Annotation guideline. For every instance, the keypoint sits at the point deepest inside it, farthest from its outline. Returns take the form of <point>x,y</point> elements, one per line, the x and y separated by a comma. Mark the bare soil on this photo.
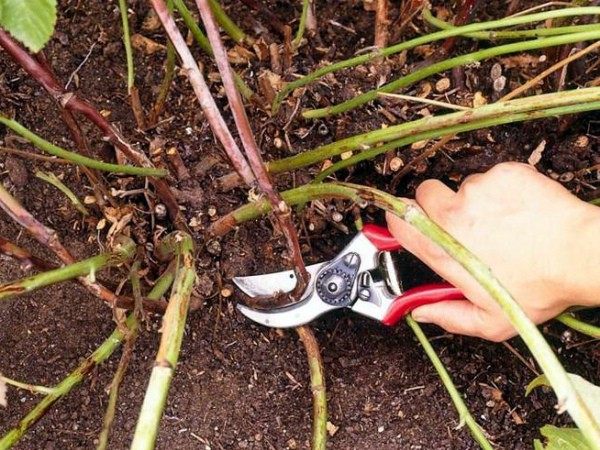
<point>239,385</point>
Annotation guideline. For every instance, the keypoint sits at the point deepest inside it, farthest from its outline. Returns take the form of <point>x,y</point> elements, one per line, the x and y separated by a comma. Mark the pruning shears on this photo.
<point>363,277</point>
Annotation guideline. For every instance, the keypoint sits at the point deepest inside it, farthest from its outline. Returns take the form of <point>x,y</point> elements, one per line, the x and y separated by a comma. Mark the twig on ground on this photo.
<point>317,384</point>
<point>521,358</point>
<point>281,209</point>
<point>28,155</point>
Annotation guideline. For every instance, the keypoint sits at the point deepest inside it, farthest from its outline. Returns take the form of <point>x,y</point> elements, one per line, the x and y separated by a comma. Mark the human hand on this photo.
<point>539,240</point>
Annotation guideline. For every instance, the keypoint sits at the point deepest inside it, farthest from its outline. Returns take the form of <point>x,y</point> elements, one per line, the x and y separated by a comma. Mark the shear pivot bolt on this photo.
<point>352,260</point>
<point>364,294</point>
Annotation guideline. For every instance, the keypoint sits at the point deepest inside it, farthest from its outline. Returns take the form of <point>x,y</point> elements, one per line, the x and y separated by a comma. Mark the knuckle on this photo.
<point>425,187</point>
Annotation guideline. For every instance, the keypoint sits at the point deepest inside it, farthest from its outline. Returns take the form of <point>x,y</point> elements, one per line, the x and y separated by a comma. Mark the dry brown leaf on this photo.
<point>479,100</point>
<point>239,55</point>
<point>519,61</point>
<point>151,21</point>
<point>369,5</point>
<point>146,45</point>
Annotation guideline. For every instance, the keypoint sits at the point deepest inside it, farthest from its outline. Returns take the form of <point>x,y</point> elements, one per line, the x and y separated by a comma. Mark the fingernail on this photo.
<point>420,316</point>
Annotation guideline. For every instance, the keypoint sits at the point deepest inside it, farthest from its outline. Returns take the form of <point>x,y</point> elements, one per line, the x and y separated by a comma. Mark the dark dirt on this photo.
<point>239,385</point>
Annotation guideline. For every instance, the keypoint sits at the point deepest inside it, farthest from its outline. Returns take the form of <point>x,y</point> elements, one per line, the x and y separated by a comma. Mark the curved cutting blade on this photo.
<point>294,315</point>
<point>270,284</point>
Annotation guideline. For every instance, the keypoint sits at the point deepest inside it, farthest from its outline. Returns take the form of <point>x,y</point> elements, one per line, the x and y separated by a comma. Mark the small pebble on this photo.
<point>395,164</point>
<point>160,211</point>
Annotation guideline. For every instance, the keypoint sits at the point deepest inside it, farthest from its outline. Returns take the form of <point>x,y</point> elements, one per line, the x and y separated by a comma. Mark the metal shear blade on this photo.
<point>270,284</point>
<point>306,310</point>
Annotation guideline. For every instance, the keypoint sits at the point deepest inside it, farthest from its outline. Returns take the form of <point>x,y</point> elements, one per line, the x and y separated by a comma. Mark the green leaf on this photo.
<point>29,21</point>
<point>561,439</point>
<point>541,380</point>
<point>588,391</point>
<point>567,438</point>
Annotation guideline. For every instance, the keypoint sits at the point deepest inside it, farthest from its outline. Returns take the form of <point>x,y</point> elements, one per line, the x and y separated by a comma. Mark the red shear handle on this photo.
<point>419,296</point>
<point>381,238</point>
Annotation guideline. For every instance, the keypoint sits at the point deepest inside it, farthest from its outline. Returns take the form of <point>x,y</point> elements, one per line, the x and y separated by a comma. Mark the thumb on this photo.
<point>464,317</point>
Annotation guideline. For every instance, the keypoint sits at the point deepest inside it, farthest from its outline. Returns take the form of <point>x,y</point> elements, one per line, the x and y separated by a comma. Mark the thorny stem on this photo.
<point>80,160</point>
<point>71,102</point>
<point>134,95</point>
<point>306,8</point>
<point>190,22</point>
<point>569,398</point>
<point>227,24</point>
<point>205,98</point>
<point>433,127</point>
<point>26,259</point>
<point>578,325</point>
<point>431,37</point>
<point>132,333</point>
<point>464,415</point>
<point>74,378</point>
<point>499,112</point>
<point>517,34</point>
<point>27,387</point>
<point>202,41</point>
<point>448,64</point>
<point>317,384</point>
<point>280,208</point>
<point>381,23</point>
<point>123,250</point>
<point>170,343</point>
<point>452,130</point>
<point>100,190</point>
<point>127,45</point>
<point>515,93</point>
<point>48,237</point>
<point>165,86</point>
<point>29,261</point>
